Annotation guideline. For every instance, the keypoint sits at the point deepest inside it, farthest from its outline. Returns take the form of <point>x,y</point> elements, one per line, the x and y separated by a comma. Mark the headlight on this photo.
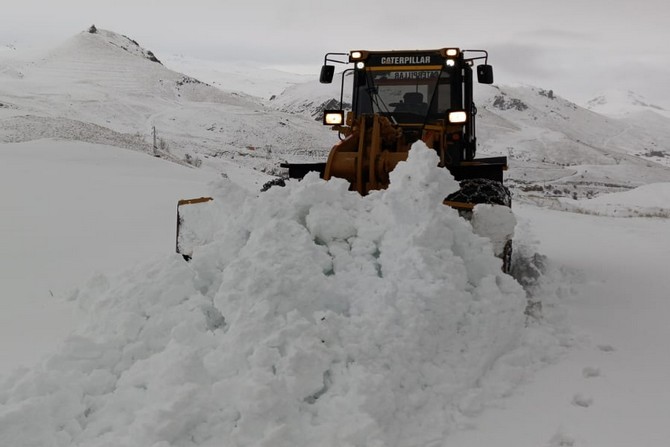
<point>356,56</point>
<point>333,117</point>
<point>458,117</point>
<point>451,62</point>
<point>450,52</point>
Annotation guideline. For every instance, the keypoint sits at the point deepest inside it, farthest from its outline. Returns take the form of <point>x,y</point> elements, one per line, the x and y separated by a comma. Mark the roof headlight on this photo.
<point>357,56</point>
<point>450,62</point>
<point>450,52</point>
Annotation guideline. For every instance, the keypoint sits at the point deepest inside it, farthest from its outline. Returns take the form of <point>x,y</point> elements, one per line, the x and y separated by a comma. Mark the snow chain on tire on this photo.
<point>482,190</point>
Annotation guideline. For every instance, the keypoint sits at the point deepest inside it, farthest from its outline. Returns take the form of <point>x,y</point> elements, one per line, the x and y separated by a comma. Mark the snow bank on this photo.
<point>315,317</point>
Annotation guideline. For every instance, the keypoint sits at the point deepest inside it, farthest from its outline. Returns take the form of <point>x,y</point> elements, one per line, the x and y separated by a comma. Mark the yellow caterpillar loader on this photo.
<point>398,98</point>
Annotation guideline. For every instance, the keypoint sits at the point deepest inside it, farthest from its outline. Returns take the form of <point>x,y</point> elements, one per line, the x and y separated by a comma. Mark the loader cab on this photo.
<point>408,88</point>
<point>416,90</point>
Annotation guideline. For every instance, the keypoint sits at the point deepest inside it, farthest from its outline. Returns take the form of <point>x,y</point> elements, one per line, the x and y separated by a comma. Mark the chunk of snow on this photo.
<point>495,222</point>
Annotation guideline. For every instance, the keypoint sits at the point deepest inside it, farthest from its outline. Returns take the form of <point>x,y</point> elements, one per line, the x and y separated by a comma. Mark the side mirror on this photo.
<point>485,74</point>
<point>327,73</point>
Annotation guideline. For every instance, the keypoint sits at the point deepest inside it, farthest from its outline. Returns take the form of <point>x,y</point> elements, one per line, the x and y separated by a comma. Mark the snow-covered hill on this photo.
<point>620,103</point>
<point>555,147</point>
<point>103,88</point>
<point>311,98</point>
<point>247,78</point>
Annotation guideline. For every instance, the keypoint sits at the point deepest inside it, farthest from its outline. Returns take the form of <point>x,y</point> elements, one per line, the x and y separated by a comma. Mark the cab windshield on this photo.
<point>408,96</point>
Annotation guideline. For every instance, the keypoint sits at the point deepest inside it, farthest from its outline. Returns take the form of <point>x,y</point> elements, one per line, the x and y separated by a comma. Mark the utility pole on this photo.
<point>154,132</point>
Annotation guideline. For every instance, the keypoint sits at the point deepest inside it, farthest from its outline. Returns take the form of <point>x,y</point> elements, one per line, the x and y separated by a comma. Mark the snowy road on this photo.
<point>611,389</point>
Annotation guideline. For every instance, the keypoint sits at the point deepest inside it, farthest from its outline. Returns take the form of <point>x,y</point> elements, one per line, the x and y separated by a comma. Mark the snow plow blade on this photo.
<point>189,233</point>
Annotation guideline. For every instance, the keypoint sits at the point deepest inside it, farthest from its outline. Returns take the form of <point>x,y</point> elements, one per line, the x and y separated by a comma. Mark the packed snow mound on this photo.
<point>315,317</point>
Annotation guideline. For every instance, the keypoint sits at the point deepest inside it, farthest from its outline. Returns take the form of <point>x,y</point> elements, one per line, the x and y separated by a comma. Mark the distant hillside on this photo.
<point>103,80</point>
<point>555,147</point>
<point>235,76</point>
<point>565,149</point>
<point>620,103</point>
<point>106,88</point>
<point>312,98</point>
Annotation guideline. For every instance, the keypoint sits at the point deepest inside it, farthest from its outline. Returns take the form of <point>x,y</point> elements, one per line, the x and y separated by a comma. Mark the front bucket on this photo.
<point>193,218</point>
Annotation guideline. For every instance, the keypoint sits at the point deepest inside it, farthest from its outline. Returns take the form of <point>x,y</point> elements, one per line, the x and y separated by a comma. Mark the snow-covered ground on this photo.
<point>71,209</point>
<point>312,316</point>
<point>610,389</point>
<point>593,376</point>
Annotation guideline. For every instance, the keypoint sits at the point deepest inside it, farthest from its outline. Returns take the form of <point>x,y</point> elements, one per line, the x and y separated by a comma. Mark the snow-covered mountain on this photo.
<point>103,87</point>
<point>620,103</point>
<point>555,147</point>
<point>311,98</point>
<point>242,77</point>
<point>562,149</point>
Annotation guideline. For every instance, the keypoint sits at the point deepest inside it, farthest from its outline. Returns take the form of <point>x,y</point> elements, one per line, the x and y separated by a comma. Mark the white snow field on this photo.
<point>70,209</point>
<point>610,389</point>
<point>311,316</point>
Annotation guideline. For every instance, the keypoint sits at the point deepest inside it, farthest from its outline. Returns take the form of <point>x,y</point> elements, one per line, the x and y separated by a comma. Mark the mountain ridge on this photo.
<point>92,80</point>
<point>107,79</point>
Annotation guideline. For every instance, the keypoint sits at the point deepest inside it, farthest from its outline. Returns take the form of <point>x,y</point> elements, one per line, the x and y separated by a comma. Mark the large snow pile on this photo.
<point>315,317</point>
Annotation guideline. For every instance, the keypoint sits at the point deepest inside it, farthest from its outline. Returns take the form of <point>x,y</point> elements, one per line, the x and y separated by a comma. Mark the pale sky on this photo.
<point>578,48</point>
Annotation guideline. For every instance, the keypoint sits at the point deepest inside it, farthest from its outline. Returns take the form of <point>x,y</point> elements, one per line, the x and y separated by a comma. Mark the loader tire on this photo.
<point>482,190</point>
<point>276,182</point>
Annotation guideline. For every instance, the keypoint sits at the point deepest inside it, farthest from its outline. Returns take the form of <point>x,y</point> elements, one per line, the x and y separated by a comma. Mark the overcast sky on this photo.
<point>578,48</point>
